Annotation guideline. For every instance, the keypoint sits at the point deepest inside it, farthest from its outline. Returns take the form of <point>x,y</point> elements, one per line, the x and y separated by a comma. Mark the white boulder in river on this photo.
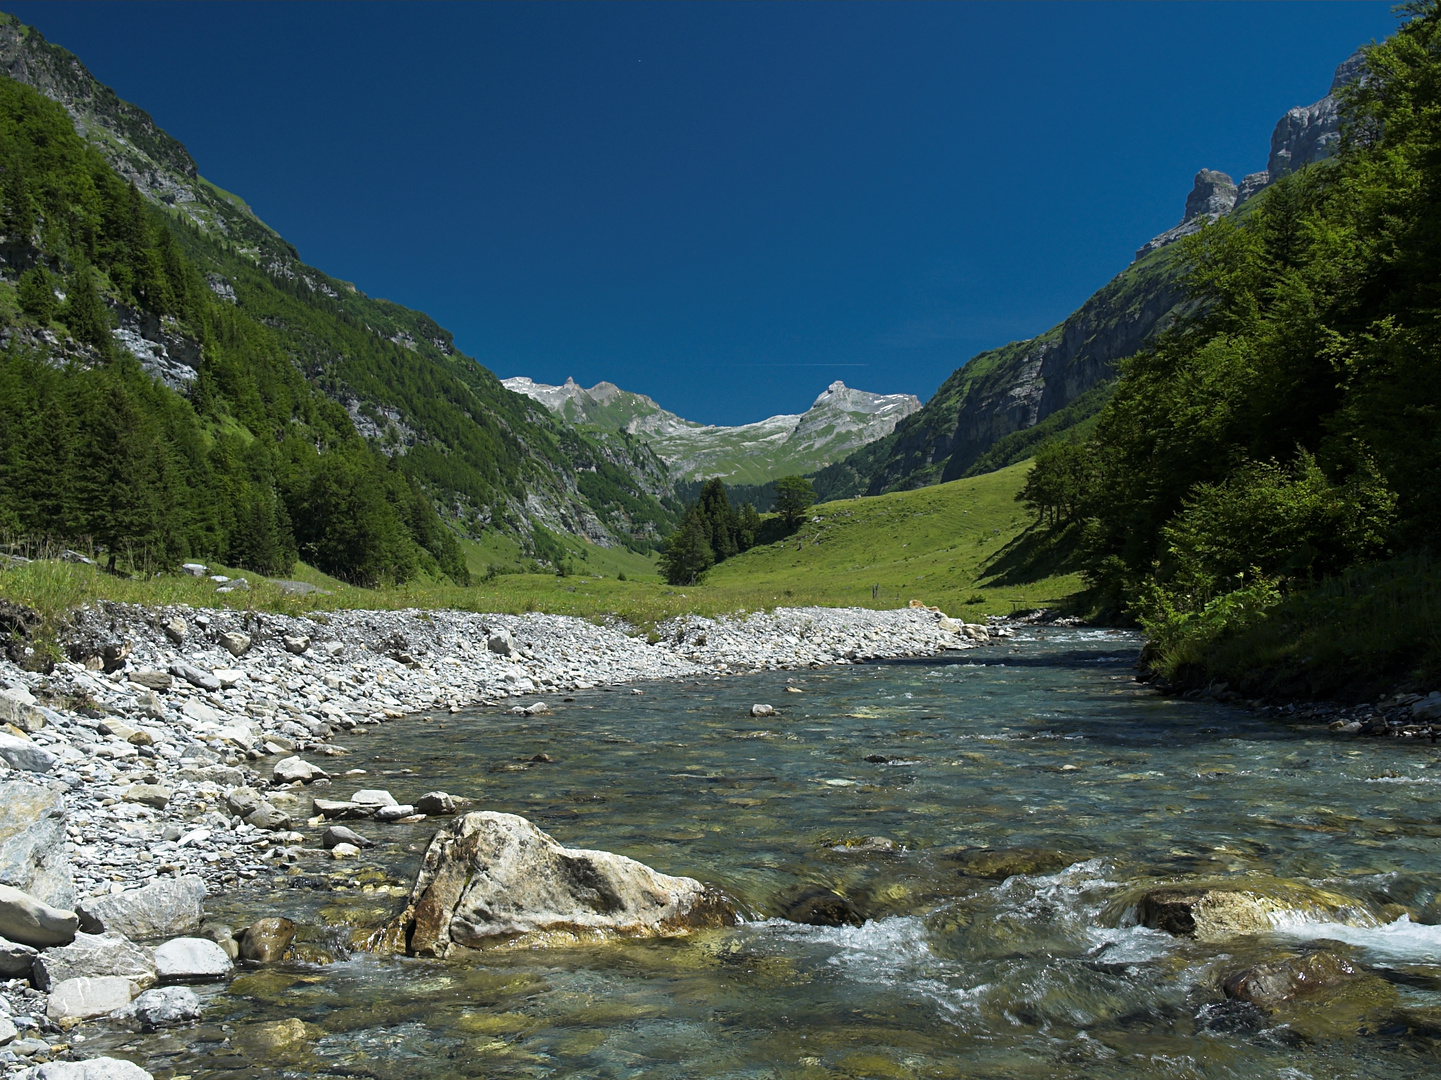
<point>490,878</point>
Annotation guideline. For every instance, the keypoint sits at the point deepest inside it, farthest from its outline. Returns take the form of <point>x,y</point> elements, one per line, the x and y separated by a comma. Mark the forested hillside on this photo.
<point>1264,488</point>
<point>177,383</point>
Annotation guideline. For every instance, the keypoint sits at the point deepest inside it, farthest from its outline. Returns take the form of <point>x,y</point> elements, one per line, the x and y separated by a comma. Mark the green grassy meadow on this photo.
<point>966,547</point>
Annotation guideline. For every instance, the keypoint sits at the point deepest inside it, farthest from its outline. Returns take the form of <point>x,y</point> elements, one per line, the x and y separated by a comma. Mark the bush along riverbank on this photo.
<point>153,757</point>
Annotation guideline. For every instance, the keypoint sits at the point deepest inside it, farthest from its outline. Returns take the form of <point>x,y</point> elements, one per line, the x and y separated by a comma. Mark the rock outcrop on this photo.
<point>490,878</point>
<point>32,843</point>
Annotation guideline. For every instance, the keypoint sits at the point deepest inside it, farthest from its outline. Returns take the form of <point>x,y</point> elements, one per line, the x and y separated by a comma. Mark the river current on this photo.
<point>993,815</point>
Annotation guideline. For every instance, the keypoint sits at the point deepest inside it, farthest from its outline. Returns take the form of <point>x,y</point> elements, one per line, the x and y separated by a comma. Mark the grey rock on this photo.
<point>222,775</point>
<point>148,795</point>
<point>1428,708</point>
<point>440,804</point>
<point>191,959</point>
<point>394,813</point>
<point>269,818</point>
<point>153,680</point>
<point>195,676</point>
<point>16,959</point>
<point>489,876</point>
<point>101,1068</point>
<point>8,1031</point>
<point>95,956</point>
<point>1212,194</point>
<point>21,712</point>
<point>763,710</point>
<point>339,834</point>
<point>341,808</point>
<point>166,1006</point>
<point>235,643</point>
<point>223,937</point>
<point>80,999</point>
<point>175,630</point>
<point>374,798</point>
<point>32,922</point>
<point>296,644</point>
<point>166,908</point>
<point>243,800</point>
<point>288,770</point>
<point>502,643</point>
<point>32,843</point>
<point>24,755</point>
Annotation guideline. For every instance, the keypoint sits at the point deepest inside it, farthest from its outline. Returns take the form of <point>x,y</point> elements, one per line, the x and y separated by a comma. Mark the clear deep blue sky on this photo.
<point>722,206</point>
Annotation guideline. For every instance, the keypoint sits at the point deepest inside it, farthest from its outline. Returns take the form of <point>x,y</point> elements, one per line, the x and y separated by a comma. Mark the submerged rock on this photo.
<point>815,905</point>
<point>1277,981</point>
<point>1001,863</point>
<point>490,878</point>
<point>1217,912</point>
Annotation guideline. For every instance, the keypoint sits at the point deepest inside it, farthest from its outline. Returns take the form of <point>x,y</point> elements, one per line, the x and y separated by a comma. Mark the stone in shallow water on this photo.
<point>1001,863</point>
<point>190,959</point>
<point>278,1041</point>
<point>339,834</point>
<point>489,878</point>
<point>1214,913</point>
<point>166,1006</point>
<point>265,941</point>
<point>440,804</point>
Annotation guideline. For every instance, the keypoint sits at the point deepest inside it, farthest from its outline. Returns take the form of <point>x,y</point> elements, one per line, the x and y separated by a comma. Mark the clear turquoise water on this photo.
<point>1043,744</point>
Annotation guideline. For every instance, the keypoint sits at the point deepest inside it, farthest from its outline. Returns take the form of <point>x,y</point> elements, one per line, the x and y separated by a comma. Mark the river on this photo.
<point>913,789</point>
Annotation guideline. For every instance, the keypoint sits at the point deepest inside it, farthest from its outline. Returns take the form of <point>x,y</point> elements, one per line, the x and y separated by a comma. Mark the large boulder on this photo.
<point>33,922</point>
<point>101,1068</point>
<point>32,843</point>
<point>191,959</point>
<point>491,878</point>
<point>80,999</point>
<point>93,956</point>
<point>163,909</point>
<point>288,770</point>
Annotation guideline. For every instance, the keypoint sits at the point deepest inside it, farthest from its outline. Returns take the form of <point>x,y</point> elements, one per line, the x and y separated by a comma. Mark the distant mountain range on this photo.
<point>839,422</point>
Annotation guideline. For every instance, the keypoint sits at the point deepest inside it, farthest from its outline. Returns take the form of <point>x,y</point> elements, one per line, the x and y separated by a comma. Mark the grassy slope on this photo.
<point>944,545</point>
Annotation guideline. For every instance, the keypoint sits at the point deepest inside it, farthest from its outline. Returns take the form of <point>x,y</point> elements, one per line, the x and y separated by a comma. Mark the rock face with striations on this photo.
<point>165,908</point>
<point>32,843</point>
<point>491,878</point>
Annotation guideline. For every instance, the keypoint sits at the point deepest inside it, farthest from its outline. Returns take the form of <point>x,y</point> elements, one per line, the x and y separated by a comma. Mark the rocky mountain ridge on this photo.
<point>839,421</point>
<point>999,395</point>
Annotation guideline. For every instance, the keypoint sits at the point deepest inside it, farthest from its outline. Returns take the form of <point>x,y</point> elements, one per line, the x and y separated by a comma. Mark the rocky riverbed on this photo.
<point>130,782</point>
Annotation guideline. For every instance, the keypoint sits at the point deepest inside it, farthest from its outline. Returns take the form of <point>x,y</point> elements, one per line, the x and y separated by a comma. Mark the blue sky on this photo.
<point>723,206</point>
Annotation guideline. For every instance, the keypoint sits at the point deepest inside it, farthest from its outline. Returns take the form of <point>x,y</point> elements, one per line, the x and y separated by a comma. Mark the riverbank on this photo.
<point>146,753</point>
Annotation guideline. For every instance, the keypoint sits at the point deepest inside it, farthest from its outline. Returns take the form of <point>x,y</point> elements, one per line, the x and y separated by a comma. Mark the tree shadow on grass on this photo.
<point>1041,551</point>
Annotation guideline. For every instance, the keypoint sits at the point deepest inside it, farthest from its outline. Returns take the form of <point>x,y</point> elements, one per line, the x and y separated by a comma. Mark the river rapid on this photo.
<point>993,815</point>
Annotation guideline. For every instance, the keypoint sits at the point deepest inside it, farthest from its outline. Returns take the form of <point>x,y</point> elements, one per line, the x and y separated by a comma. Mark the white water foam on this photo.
<point>1399,942</point>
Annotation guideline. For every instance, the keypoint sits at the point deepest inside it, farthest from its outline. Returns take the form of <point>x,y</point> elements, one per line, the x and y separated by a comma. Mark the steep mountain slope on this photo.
<point>1007,391</point>
<point>839,421</point>
<point>486,456</point>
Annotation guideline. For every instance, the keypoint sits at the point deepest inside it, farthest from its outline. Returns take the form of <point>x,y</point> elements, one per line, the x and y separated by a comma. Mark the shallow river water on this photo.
<point>912,789</point>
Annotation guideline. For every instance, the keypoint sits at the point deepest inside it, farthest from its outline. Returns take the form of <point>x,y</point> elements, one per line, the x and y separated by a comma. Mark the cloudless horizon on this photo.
<point>725,207</point>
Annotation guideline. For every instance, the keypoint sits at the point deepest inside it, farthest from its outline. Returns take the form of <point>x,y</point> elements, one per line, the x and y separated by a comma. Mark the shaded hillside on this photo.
<point>485,456</point>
